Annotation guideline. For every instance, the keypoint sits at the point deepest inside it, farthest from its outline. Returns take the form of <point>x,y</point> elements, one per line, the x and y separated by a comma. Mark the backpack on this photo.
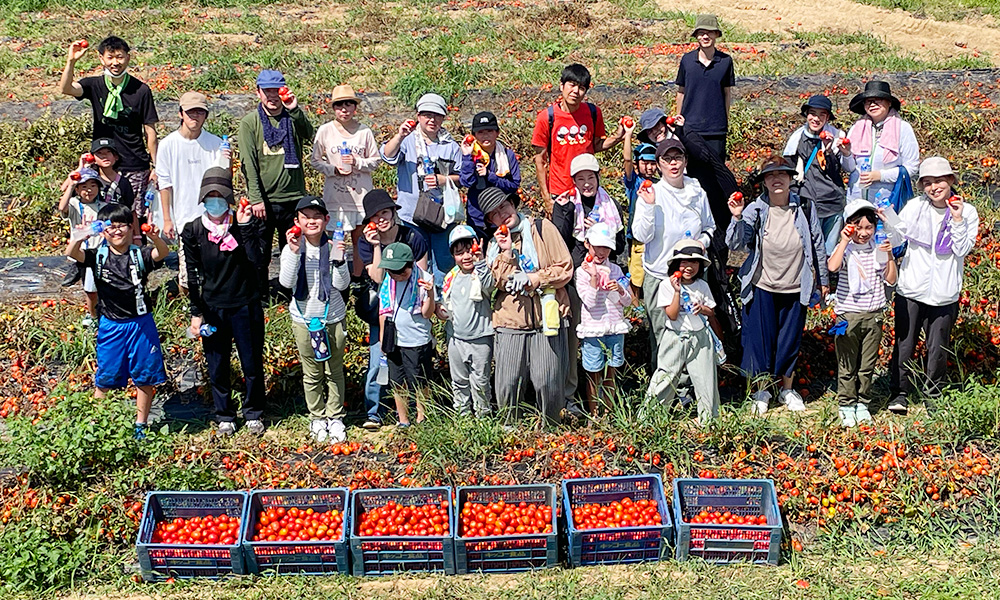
<point>552,120</point>
<point>138,269</point>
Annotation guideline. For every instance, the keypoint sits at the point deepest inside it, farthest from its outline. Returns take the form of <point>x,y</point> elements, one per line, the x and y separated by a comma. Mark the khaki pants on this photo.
<point>330,372</point>
<point>857,353</point>
<point>695,352</point>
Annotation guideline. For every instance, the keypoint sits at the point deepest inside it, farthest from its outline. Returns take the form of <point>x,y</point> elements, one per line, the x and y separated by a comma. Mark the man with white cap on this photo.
<point>182,159</point>
<point>940,230</point>
<point>429,140</point>
<point>468,307</point>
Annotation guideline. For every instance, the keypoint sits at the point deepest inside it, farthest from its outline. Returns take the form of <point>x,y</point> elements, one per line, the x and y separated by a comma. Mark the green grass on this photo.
<point>946,10</point>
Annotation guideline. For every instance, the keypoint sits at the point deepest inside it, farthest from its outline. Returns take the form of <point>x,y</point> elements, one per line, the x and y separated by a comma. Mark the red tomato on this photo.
<point>197,530</point>
<point>83,43</point>
<point>296,231</point>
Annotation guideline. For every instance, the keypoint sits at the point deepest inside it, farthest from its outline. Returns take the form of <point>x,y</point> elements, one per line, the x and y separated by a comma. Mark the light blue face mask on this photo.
<point>216,207</point>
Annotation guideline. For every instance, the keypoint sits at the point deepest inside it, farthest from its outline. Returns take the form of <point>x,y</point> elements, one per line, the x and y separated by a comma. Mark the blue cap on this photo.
<point>645,151</point>
<point>88,174</point>
<point>459,233</point>
<point>270,79</point>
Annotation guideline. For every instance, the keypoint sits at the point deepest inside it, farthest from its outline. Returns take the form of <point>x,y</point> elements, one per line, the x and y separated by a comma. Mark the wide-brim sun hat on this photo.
<point>874,89</point>
<point>706,23</point>
<point>344,93</point>
<point>689,249</point>
<point>217,179</point>
<point>491,198</point>
<point>775,167</point>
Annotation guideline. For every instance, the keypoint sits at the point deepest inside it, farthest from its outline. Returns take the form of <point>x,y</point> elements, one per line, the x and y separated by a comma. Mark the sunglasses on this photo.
<point>398,271</point>
<point>341,103</point>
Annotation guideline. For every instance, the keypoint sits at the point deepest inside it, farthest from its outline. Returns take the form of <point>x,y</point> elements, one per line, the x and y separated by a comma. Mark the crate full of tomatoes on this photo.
<point>613,520</point>
<point>191,534</point>
<point>506,529</point>
<point>727,520</point>
<point>296,532</point>
<point>409,529</point>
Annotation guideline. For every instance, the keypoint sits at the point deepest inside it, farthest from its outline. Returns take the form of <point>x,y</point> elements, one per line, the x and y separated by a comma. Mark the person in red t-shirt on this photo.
<point>565,130</point>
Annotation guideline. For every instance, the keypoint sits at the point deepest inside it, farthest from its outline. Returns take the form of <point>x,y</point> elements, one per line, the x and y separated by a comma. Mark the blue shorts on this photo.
<point>128,349</point>
<point>604,351</point>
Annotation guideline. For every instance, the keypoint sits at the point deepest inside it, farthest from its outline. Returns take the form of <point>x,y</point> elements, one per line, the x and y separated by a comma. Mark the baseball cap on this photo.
<point>432,103</point>
<point>396,256</point>
<point>459,233</point>
<point>669,144</point>
<point>600,235</point>
<point>87,174</point>
<point>584,162</point>
<point>312,202</point>
<point>189,100</point>
<point>100,143</point>
<point>270,79</point>
<point>484,120</point>
<point>855,205</point>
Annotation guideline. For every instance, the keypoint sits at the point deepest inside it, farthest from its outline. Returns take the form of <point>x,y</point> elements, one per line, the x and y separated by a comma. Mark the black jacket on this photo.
<point>220,279</point>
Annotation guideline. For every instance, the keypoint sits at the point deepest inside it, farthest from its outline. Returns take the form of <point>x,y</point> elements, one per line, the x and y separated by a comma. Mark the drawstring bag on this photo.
<point>319,337</point>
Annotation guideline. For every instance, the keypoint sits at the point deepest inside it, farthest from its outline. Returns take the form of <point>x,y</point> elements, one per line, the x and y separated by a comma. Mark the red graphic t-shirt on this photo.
<point>572,134</point>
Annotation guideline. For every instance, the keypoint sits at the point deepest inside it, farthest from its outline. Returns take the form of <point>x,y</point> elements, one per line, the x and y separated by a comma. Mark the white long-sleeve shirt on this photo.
<point>909,157</point>
<point>924,275</point>
<point>313,307</point>
<point>661,225</point>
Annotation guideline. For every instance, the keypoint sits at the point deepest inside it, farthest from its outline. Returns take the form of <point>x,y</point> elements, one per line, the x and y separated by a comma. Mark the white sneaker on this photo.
<point>761,401</point>
<point>318,430</point>
<point>227,428</point>
<point>847,418</point>
<point>861,414</point>
<point>792,400</point>
<point>255,426</point>
<point>338,433</point>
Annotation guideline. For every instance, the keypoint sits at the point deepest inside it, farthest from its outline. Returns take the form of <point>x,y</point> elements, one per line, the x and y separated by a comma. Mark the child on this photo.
<point>467,305</point>
<point>406,304</point>
<point>310,267</point>
<point>817,151</point>
<point>486,162</point>
<point>860,300</point>
<point>80,203</point>
<point>639,169</point>
<point>602,329</point>
<point>940,229</point>
<point>348,174</point>
<point>686,342</point>
<point>116,187</point>
<point>128,344</point>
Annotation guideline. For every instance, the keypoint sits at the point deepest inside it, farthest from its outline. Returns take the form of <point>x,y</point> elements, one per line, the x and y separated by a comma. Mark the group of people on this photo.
<point>524,297</point>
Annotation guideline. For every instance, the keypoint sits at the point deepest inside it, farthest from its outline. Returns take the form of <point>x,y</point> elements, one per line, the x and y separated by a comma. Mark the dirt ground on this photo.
<point>923,37</point>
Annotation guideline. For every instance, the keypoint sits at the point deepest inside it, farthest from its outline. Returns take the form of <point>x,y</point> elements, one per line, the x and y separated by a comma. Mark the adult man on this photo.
<point>565,130</point>
<point>183,157</point>
<point>271,140</point>
<point>123,112</point>
<point>705,80</point>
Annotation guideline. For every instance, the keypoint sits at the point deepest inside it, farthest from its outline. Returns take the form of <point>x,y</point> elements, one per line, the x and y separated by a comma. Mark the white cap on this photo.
<point>584,162</point>
<point>461,232</point>
<point>600,235</point>
<point>855,205</point>
<point>432,103</point>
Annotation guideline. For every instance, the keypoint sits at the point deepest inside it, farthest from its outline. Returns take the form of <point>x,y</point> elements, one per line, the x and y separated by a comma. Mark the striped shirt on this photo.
<point>313,307</point>
<point>863,259</point>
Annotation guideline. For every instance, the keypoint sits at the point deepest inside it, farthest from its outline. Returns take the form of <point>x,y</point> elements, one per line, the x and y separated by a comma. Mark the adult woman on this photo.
<point>940,229</point>
<point>222,266</point>
<point>785,245</point>
<point>674,208</point>
<point>884,147</point>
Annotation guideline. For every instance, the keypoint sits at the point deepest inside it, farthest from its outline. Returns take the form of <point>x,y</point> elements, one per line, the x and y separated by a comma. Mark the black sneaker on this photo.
<point>73,274</point>
<point>897,405</point>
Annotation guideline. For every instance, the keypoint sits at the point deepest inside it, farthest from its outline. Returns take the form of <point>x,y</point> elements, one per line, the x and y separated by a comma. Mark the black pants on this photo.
<point>936,323</point>
<point>280,218</point>
<point>718,145</point>
<point>245,327</point>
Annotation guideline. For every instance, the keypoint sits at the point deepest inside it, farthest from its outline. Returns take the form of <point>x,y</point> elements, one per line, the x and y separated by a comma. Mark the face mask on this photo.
<point>216,207</point>
<point>108,73</point>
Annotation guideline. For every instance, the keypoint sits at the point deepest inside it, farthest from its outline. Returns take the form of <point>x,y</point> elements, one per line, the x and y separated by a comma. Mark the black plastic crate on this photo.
<point>760,544</point>
<point>383,555</point>
<point>158,562</point>
<point>508,553</point>
<point>292,558</point>
<point>616,545</point>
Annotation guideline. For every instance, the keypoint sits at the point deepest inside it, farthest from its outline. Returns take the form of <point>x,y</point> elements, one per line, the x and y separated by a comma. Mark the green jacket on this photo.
<point>266,175</point>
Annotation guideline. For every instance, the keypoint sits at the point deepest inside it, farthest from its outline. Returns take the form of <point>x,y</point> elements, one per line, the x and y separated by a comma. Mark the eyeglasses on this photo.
<point>118,227</point>
<point>672,158</point>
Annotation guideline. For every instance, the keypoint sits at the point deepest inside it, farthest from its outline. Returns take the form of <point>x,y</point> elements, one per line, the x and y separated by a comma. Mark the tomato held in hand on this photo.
<point>647,184</point>
<point>83,44</point>
<point>470,139</point>
<point>244,203</point>
<point>411,123</point>
<point>849,229</point>
<point>146,227</point>
<point>627,122</point>
<point>500,518</point>
<point>394,519</point>
<point>676,275</point>
<point>671,121</point>
<point>503,229</point>
<point>738,196</point>
<point>88,158</point>
<point>296,231</point>
<point>825,136</point>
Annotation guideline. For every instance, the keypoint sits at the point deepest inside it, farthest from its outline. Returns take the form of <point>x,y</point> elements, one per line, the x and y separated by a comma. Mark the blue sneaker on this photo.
<point>140,431</point>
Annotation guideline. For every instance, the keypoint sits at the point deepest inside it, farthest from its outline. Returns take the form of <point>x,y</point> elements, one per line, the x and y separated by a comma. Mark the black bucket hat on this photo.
<point>778,166</point>
<point>375,201</point>
<point>873,89</point>
<point>819,102</point>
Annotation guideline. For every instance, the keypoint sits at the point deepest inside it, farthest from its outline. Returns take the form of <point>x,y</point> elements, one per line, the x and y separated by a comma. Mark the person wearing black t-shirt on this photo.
<point>223,251</point>
<point>123,111</point>
<point>382,227</point>
<point>128,345</point>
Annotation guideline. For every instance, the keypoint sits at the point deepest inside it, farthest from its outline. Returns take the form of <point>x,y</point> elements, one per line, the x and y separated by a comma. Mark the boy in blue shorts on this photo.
<point>128,345</point>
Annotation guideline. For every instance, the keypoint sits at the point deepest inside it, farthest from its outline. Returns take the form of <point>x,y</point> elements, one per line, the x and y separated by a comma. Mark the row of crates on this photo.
<point>454,554</point>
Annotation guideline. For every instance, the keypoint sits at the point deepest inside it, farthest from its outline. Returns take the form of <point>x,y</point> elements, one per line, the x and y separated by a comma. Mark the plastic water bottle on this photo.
<point>882,198</point>
<point>383,370</point>
<point>150,198</point>
<point>344,152</point>
<point>527,265</point>
<point>428,170</point>
<point>864,164</point>
<point>83,232</point>
<point>225,161</point>
<point>338,236</point>
<point>880,237</point>
<point>204,331</point>
<point>686,303</point>
<point>595,214</point>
